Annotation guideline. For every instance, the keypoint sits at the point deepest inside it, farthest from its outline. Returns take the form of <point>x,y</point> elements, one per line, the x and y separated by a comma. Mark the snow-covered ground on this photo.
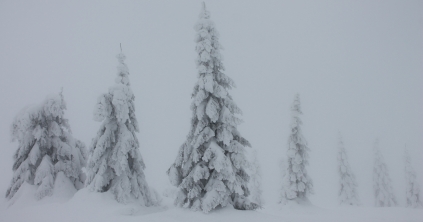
<point>91,206</point>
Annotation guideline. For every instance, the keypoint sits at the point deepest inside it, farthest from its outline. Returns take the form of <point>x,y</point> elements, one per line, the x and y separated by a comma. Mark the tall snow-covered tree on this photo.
<point>347,184</point>
<point>412,191</point>
<point>297,184</point>
<point>46,148</point>
<point>115,163</point>
<point>255,182</point>
<point>209,169</point>
<point>382,187</point>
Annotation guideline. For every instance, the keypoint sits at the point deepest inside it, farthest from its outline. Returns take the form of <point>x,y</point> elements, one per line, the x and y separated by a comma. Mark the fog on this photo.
<point>357,65</point>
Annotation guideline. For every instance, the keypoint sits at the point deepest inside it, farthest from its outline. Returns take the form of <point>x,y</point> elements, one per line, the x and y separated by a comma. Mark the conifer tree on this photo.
<point>347,183</point>
<point>209,169</point>
<point>412,191</point>
<point>382,187</point>
<point>297,184</point>
<point>115,163</point>
<point>255,183</point>
<point>46,148</point>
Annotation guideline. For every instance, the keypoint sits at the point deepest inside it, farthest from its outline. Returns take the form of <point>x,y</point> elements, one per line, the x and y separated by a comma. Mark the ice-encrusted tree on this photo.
<point>347,183</point>
<point>115,163</point>
<point>297,184</point>
<point>412,191</point>
<point>382,186</point>
<point>210,168</point>
<point>46,148</point>
<point>255,183</point>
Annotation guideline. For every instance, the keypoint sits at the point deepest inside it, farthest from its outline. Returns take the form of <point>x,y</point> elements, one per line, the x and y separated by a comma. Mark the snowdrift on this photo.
<point>87,206</point>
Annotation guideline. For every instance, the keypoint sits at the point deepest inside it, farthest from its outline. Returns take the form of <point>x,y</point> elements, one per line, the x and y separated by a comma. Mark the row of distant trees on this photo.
<point>382,186</point>
<point>297,184</point>
<point>211,168</point>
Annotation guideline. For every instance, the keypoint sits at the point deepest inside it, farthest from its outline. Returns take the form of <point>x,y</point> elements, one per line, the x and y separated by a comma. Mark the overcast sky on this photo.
<point>358,66</point>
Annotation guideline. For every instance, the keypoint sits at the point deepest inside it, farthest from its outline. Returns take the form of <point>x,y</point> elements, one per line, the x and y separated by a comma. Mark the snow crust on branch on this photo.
<point>115,163</point>
<point>46,147</point>
<point>209,169</point>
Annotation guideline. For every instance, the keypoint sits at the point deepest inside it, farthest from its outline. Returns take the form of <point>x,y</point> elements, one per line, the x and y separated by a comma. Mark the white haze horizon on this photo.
<point>358,67</point>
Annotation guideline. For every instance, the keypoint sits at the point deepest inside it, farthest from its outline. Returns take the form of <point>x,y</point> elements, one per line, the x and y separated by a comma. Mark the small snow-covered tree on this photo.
<point>412,191</point>
<point>347,183</point>
<point>255,182</point>
<point>46,147</point>
<point>297,184</point>
<point>382,187</point>
<point>209,169</point>
<point>115,163</point>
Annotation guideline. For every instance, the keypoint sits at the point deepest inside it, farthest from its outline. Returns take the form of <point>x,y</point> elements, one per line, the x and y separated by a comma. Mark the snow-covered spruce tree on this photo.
<point>412,191</point>
<point>209,169</point>
<point>115,163</point>
<point>297,184</point>
<point>347,184</point>
<point>46,148</point>
<point>255,182</point>
<point>382,187</point>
